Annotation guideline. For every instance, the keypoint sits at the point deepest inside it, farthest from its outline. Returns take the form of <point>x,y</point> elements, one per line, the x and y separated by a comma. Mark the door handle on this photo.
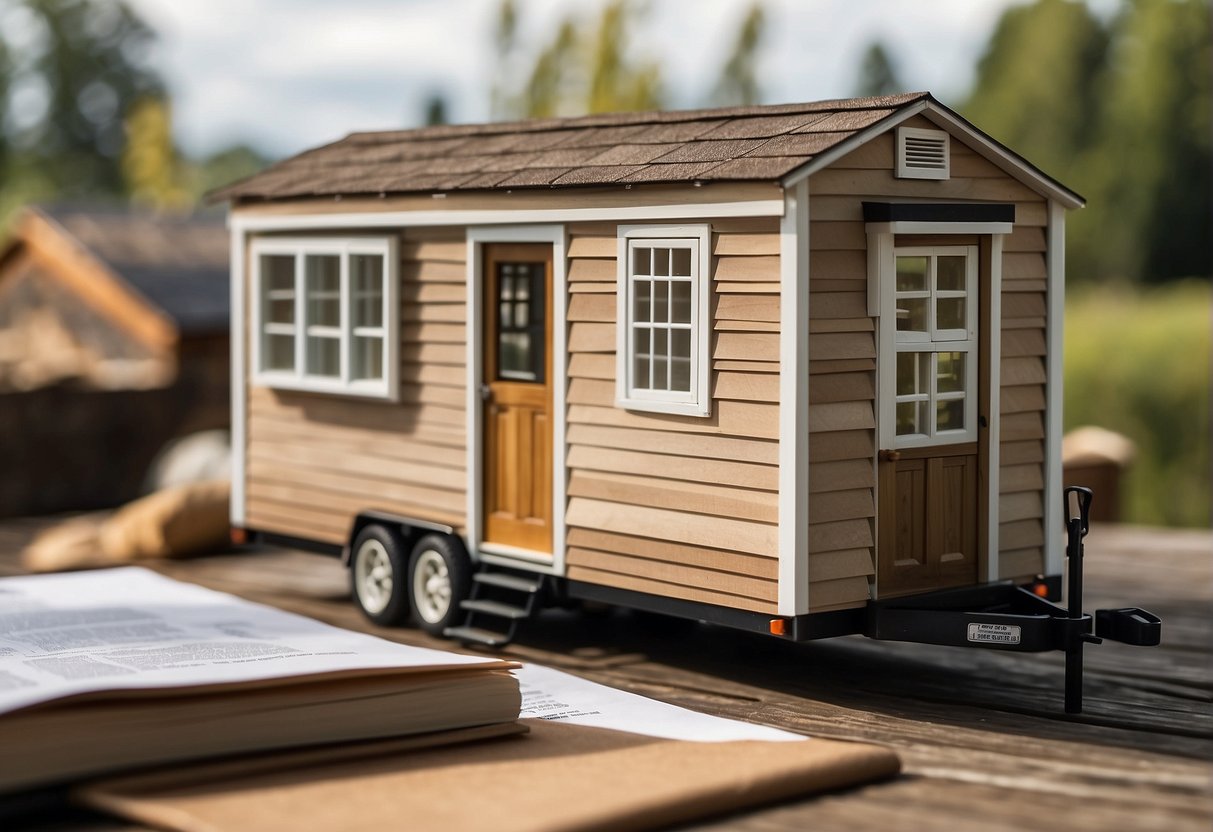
<point>486,393</point>
<point>890,456</point>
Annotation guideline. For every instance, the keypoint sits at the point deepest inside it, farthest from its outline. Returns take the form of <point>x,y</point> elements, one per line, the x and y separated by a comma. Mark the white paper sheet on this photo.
<point>552,695</point>
<point>62,635</point>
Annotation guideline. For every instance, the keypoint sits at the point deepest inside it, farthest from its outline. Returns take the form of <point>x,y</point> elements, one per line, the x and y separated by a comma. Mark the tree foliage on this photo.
<point>877,72</point>
<point>738,84</point>
<point>83,67</point>
<point>586,67</point>
<point>1120,112</point>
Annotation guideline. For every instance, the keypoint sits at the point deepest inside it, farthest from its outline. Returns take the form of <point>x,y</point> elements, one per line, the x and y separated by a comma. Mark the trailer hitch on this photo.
<point>1003,616</point>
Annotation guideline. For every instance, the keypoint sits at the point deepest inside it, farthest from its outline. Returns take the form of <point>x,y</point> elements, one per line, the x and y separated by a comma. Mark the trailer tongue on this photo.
<point>1007,617</point>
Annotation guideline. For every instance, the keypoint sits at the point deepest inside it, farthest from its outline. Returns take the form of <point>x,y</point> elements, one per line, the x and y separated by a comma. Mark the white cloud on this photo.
<point>289,74</point>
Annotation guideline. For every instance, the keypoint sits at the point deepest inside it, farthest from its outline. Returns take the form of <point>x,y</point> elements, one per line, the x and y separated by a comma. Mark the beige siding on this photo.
<point>314,461</point>
<point>842,439</point>
<point>678,506</point>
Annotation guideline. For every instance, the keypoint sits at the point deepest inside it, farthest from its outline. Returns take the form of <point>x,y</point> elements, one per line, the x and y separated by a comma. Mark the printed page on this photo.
<point>559,697</point>
<point>130,628</point>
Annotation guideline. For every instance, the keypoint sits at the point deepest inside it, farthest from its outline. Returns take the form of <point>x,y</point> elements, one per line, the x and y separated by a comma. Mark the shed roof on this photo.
<point>178,264</point>
<point>738,143</point>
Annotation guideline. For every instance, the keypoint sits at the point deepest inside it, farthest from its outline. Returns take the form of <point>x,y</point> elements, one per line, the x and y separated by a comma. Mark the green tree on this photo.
<point>87,58</point>
<point>1149,172</point>
<point>877,72</point>
<point>1035,84</point>
<point>584,68</point>
<point>153,171</point>
<point>738,83</point>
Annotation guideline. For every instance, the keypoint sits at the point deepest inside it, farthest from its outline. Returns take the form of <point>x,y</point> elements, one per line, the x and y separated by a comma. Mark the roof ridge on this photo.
<point>629,119</point>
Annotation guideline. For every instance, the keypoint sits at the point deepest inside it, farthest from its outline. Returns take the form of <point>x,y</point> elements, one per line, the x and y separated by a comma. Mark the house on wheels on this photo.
<point>768,367</point>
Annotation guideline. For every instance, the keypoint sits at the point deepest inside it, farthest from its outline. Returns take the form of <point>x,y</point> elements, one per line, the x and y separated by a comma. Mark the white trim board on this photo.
<point>477,237</point>
<point>504,218</point>
<point>794,590</point>
<point>239,428</point>
<point>1054,379</point>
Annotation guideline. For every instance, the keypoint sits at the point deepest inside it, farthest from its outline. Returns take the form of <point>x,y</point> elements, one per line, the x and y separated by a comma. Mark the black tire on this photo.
<point>440,577</point>
<point>383,598</point>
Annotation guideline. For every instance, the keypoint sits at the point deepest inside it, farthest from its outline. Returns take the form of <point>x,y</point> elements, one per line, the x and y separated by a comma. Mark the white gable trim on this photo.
<point>957,127</point>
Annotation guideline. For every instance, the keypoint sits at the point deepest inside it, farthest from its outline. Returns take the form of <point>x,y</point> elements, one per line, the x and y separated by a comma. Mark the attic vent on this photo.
<point>922,154</point>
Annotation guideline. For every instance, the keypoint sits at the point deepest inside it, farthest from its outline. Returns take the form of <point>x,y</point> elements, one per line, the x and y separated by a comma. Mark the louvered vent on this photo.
<point>922,154</point>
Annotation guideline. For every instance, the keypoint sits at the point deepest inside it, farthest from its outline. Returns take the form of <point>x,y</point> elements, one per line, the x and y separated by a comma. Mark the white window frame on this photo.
<point>387,387</point>
<point>934,341</point>
<point>697,401</point>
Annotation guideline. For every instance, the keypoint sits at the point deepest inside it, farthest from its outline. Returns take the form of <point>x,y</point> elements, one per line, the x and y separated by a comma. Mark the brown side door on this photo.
<point>517,394</point>
<point>931,515</point>
<point>928,519</point>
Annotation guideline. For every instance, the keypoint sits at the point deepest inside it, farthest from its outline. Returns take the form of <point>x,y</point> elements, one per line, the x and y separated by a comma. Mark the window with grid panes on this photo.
<point>322,315</point>
<point>663,336</point>
<point>936,345</point>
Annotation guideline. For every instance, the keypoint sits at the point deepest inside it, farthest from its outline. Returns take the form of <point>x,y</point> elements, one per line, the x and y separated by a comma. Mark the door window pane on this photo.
<point>950,273</point>
<point>950,415</point>
<point>950,374</point>
<point>911,274</point>
<point>911,314</point>
<point>520,324</point>
<point>913,369</point>
<point>950,313</point>
<point>911,417</point>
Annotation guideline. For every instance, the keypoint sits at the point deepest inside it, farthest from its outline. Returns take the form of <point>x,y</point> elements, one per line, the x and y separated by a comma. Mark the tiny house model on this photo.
<point>794,369</point>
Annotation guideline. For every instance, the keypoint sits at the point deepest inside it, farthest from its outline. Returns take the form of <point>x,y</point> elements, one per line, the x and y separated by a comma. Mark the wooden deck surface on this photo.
<point>982,736</point>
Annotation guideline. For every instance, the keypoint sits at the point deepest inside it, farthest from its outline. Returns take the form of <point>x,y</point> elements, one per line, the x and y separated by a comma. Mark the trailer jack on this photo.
<point>1003,616</point>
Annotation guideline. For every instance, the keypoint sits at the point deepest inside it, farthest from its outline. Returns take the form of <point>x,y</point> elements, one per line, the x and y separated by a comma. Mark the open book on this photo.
<point>112,670</point>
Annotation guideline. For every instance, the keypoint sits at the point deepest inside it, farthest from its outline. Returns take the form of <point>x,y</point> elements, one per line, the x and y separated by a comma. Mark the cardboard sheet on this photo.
<point>567,773</point>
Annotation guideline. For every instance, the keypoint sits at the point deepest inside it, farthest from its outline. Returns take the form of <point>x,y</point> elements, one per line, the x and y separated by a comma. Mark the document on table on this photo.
<point>130,628</point>
<point>553,696</point>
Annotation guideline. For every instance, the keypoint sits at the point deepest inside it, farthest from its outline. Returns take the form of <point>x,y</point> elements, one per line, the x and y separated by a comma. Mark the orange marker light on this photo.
<point>238,536</point>
<point>1041,590</point>
<point>779,627</point>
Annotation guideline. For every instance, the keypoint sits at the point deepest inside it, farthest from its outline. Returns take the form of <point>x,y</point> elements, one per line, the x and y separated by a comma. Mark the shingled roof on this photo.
<point>742,143</point>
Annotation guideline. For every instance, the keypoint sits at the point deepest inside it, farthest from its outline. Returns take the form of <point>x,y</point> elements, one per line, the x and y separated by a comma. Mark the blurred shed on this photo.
<point>113,341</point>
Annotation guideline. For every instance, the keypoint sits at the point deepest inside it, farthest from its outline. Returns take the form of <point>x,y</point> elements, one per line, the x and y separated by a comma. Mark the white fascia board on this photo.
<point>982,144</point>
<point>402,219</point>
<point>793,535</point>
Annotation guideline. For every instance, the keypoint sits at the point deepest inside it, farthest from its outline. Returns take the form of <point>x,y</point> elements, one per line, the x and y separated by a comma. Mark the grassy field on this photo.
<point>1137,361</point>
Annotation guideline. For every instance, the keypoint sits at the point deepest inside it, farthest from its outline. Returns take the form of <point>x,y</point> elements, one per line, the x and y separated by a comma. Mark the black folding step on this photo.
<point>500,600</point>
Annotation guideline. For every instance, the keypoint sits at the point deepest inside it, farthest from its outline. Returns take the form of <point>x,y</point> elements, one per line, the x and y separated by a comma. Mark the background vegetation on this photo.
<point>1115,105</point>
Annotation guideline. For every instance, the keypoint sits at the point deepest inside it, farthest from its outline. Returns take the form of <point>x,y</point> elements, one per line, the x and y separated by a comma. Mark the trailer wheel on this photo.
<point>377,572</point>
<point>440,575</point>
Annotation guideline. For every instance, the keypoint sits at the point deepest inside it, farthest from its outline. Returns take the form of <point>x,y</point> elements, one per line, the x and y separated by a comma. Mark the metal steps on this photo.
<point>500,599</point>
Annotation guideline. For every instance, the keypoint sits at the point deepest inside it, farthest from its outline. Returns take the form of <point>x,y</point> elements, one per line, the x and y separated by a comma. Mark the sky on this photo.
<point>285,75</point>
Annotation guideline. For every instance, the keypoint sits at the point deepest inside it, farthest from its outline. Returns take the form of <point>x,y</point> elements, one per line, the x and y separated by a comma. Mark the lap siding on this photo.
<point>678,506</point>
<point>842,398</point>
<point>314,461</point>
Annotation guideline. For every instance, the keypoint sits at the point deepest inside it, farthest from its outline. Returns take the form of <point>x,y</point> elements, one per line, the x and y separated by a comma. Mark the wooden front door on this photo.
<point>517,393</point>
<point>929,472</point>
